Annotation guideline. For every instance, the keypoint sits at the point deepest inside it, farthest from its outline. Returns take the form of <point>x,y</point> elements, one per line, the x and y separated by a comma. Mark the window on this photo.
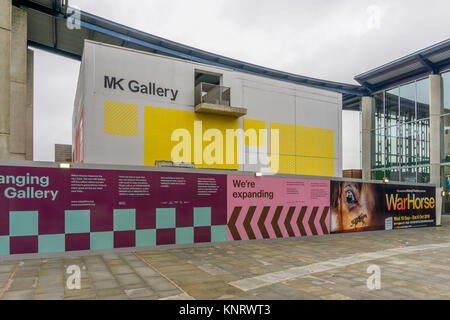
<point>408,102</point>
<point>378,175</point>
<point>423,136</point>
<point>207,77</point>
<point>445,92</point>
<point>423,174</point>
<point>393,175</point>
<point>423,99</point>
<point>391,107</point>
<point>391,146</point>
<point>445,138</point>
<point>379,110</point>
<point>409,175</point>
<point>409,144</point>
<point>402,132</point>
<point>445,182</point>
<point>378,138</point>
<point>208,89</point>
<point>445,118</point>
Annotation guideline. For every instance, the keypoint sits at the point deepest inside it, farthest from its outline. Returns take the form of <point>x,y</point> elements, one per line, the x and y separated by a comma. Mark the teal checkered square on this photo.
<point>102,240</point>
<point>52,243</point>
<point>23,223</point>
<point>77,221</point>
<point>219,233</point>
<point>4,245</point>
<point>165,218</point>
<point>124,219</point>
<point>145,238</point>
<point>184,235</point>
<point>202,217</point>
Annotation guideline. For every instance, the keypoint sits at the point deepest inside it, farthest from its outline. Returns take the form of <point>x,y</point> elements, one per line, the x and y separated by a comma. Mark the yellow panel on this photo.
<point>305,150</point>
<point>286,165</point>
<point>120,119</point>
<point>256,125</point>
<point>286,136</point>
<point>314,166</point>
<point>314,142</point>
<point>301,166</point>
<point>160,124</point>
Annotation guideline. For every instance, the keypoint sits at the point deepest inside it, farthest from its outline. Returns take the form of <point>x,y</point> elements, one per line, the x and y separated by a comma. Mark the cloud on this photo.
<point>55,83</point>
<point>331,40</point>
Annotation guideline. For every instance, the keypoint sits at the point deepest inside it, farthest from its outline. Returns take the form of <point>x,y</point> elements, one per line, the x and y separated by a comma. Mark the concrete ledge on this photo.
<point>219,109</point>
<point>174,164</point>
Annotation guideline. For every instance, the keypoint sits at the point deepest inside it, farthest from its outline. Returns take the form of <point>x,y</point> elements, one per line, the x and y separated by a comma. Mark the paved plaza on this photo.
<point>414,264</point>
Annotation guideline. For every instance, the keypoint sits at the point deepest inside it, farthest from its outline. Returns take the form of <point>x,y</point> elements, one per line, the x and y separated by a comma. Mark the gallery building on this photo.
<point>130,104</point>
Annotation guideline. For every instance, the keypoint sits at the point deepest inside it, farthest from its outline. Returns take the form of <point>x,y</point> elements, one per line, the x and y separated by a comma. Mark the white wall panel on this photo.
<point>265,99</point>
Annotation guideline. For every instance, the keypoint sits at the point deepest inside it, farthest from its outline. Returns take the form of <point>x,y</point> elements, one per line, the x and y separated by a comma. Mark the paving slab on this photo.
<point>414,264</point>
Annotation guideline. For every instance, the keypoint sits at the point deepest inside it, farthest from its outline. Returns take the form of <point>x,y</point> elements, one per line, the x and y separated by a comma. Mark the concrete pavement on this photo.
<point>414,264</point>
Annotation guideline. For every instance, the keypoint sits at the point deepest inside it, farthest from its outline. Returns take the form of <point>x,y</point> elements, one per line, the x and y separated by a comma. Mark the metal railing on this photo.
<point>211,93</point>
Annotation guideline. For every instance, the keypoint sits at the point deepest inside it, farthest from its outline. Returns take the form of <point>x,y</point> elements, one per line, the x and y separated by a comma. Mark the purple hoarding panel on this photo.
<point>45,210</point>
<point>55,210</point>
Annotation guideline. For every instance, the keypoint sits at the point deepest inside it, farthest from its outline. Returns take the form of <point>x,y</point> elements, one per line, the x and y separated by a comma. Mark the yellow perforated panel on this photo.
<point>256,125</point>
<point>287,137</point>
<point>121,119</point>
<point>314,142</point>
<point>160,123</point>
<point>305,150</point>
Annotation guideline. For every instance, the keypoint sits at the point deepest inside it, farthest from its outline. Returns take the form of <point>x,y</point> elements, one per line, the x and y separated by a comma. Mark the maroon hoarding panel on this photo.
<point>53,210</point>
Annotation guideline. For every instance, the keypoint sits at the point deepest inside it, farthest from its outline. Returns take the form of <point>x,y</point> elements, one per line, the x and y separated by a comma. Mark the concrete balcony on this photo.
<point>210,98</point>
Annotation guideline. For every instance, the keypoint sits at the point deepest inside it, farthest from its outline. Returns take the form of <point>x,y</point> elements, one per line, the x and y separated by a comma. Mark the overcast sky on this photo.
<point>327,39</point>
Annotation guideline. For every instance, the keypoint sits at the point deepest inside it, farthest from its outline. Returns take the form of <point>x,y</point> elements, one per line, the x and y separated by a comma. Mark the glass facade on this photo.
<point>445,174</point>
<point>445,138</point>
<point>402,133</point>
<point>445,118</point>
